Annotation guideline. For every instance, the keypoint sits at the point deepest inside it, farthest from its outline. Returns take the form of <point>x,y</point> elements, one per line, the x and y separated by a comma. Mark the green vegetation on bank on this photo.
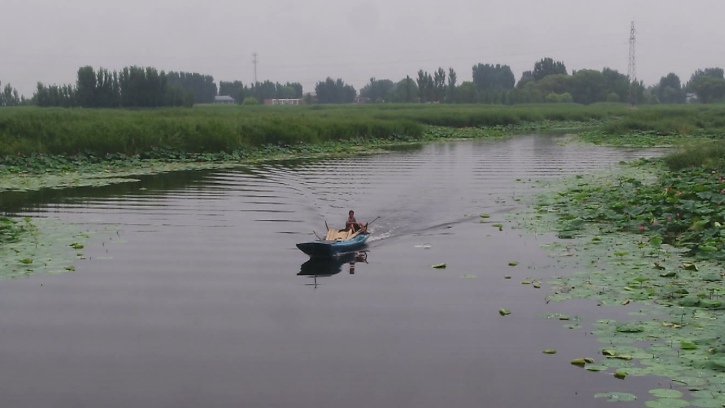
<point>654,237</point>
<point>56,140</point>
<point>37,140</point>
<point>685,209</point>
<point>215,129</point>
<point>661,125</point>
<point>708,155</point>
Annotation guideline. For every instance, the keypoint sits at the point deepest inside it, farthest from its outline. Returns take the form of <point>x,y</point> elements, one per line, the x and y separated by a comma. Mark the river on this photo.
<point>199,298</point>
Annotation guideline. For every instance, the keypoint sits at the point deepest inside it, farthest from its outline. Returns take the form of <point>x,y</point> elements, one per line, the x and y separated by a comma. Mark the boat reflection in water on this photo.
<point>320,267</point>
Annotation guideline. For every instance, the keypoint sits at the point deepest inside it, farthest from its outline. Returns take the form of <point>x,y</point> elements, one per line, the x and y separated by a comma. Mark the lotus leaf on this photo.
<point>712,304</point>
<point>708,403</point>
<point>689,301</point>
<point>666,393</point>
<point>714,364</point>
<point>595,368</point>
<point>579,362</point>
<point>616,396</point>
<point>620,374</point>
<point>667,403</point>
<point>712,277</point>
<point>629,328</point>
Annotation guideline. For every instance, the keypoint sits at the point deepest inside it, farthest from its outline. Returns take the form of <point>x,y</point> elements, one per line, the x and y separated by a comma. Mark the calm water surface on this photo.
<point>200,298</point>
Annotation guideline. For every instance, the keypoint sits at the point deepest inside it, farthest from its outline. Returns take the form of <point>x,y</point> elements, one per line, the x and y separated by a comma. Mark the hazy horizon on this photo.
<point>307,42</point>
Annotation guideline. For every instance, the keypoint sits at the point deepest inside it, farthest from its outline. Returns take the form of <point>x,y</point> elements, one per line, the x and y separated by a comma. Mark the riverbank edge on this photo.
<point>611,268</point>
<point>39,172</point>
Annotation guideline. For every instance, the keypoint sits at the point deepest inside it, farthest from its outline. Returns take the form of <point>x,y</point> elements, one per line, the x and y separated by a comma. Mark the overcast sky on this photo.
<point>308,40</point>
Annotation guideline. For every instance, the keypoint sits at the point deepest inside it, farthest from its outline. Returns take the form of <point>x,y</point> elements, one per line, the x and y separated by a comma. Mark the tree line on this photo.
<point>131,87</point>
<point>257,93</point>
<point>9,96</point>
<point>548,82</point>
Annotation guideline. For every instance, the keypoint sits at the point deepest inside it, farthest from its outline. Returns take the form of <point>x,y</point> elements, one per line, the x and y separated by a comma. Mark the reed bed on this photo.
<point>32,130</point>
<point>204,129</point>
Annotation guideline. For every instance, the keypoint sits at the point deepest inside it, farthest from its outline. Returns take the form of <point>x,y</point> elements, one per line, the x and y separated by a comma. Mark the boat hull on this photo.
<point>327,249</point>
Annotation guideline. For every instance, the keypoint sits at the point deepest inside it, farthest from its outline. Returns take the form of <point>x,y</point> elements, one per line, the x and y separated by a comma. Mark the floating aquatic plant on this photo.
<point>652,237</point>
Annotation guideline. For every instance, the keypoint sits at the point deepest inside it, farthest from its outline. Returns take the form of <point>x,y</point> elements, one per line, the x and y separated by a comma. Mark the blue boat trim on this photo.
<point>330,248</point>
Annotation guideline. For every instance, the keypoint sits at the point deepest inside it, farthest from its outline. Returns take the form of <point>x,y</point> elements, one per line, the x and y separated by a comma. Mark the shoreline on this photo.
<point>675,299</point>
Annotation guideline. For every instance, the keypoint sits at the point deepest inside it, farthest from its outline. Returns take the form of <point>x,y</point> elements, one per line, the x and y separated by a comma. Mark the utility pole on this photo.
<point>254,61</point>
<point>632,74</point>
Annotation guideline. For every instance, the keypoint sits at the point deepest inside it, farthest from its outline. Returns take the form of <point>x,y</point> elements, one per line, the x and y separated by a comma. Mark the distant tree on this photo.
<point>285,92</point>
<point>54,95</point>
<point>107,93</point>
<point>466,93</point>
<point>556,83</point>
<point>617,84</point>
<point>439,85</point>
<point>489,77</point>
<point>234,89</point>
<point>131,87</point>
<point>587,86</point>
<point>250,100</point>
<point>9,96</point>
<point>638,94</point>
<point>526,77</point>
<point>405,91</point>
<point>86,87</point>
<point>426,89</point>
<point>177,96</point>
<point>334,91</point>
<point>264,90</point>
<point>669,89</point>
<point>143,87</point>
<point>709,89</point>
<point>452,79</point>
<point>202,86</point>
<point>378,90</point>
<point>716,73</point>
<point>297,88</point>
<point>548,66</point>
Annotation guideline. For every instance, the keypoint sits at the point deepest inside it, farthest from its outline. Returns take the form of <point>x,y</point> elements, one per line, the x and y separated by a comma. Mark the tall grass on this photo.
<point>671,120</point>
<point>709,155</point>
<point>208,129</point>
<point>211,129</point>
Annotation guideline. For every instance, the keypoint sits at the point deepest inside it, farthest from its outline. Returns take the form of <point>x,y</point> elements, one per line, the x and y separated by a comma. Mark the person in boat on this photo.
<point>352,224</point>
